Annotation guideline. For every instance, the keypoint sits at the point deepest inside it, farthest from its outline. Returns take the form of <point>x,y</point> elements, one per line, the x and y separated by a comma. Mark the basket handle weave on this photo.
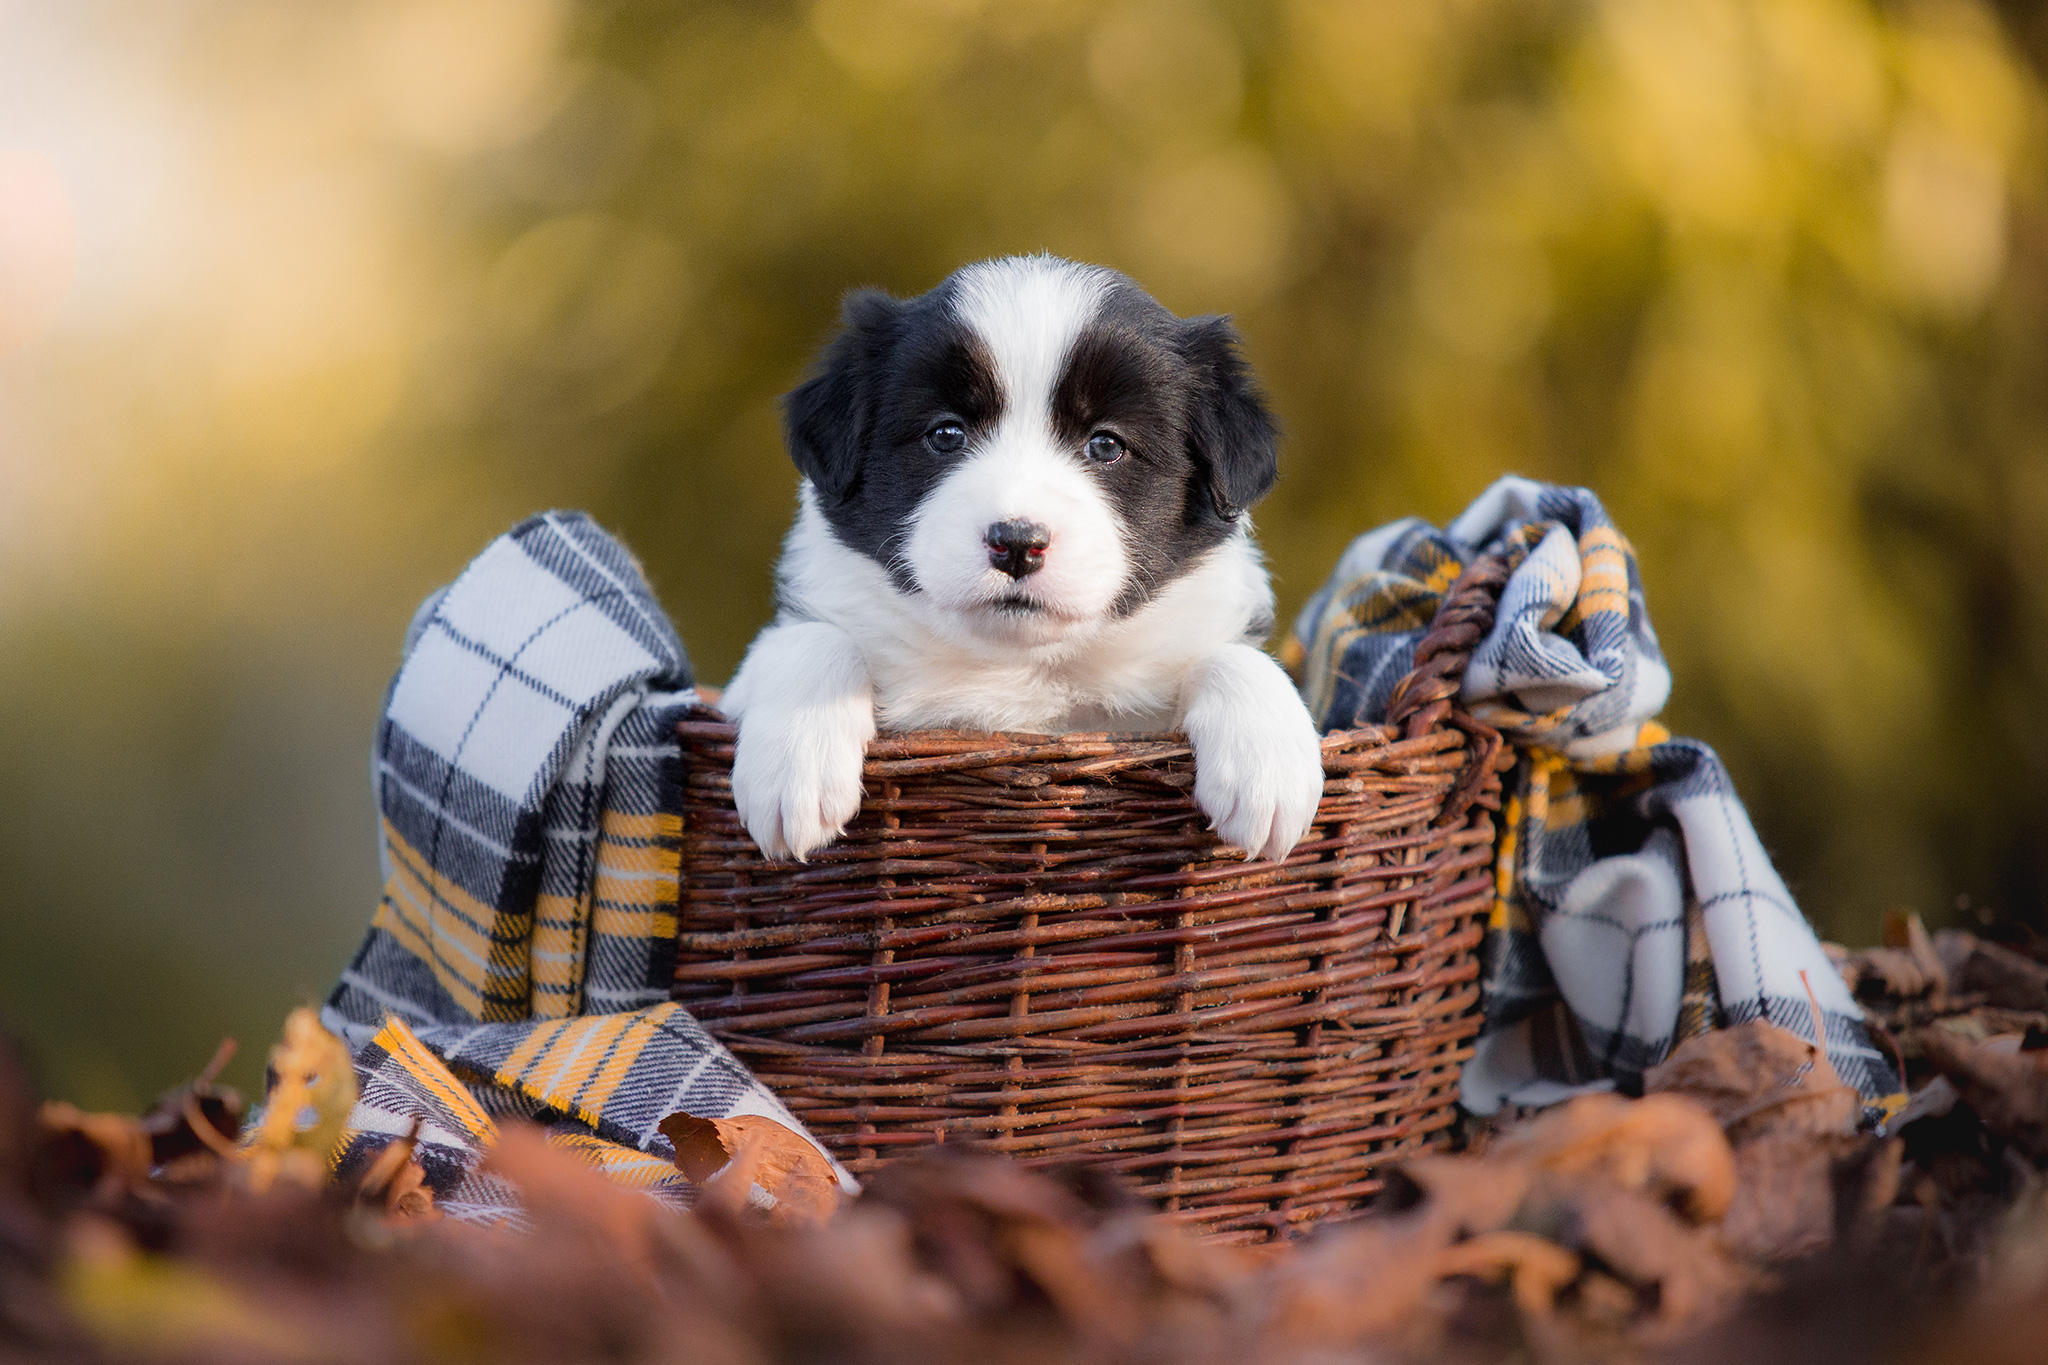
<point>1427,696</point>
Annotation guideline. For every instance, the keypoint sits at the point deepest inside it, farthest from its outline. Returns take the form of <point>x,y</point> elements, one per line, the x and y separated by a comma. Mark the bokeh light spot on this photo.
<point>1167,69</point>
<point>888,44</point>
<point>588,306</point>
<point>1214,232</point>
<point>462,76</point>
<point>1482,287</point>
<point>38,246</point>
<point>1944,216</point>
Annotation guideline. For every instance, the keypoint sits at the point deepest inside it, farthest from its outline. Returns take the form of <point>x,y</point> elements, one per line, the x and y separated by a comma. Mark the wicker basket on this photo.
<point>1035,943</point>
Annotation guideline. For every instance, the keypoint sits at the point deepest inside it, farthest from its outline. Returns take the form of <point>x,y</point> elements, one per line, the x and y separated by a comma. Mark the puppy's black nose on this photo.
<point>1017,547</point>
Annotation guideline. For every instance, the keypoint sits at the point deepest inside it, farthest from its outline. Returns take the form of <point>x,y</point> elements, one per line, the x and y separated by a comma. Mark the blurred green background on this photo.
<point>302,301</point>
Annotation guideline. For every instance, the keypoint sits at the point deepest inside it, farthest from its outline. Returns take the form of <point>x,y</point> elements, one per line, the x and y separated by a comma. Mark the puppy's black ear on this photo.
<point>829,418</point>
<point>1232,436</point>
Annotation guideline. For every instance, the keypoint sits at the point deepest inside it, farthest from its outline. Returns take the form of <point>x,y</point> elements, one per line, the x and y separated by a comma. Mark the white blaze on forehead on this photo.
<point>1027,310</point>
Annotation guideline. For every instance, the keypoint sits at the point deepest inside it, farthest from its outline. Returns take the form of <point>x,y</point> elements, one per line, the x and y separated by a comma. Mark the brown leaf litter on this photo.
<point>1733,1211</point>
<point>733,1158</point>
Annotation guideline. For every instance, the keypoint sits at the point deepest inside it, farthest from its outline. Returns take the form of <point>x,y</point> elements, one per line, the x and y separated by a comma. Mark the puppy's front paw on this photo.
<point>806,712</point>
<point>1258,760</point>
<point>796,784</point>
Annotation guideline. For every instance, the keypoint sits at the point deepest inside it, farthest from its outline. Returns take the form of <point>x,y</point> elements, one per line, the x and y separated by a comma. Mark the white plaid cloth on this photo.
<point>1614,833</point>
<point>519,962</point>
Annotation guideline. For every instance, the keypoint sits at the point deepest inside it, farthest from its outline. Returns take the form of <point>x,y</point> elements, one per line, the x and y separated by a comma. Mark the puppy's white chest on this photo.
<point>954,689</point>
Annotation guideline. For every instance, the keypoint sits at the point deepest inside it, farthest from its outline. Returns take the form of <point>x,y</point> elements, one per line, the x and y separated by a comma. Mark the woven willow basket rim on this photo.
<point>1033,942</point>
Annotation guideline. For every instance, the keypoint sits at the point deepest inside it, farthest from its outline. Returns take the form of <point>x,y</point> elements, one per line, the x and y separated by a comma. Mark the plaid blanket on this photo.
<point>1616,837</point>
<point>519,959</point>
<point>518,963</point>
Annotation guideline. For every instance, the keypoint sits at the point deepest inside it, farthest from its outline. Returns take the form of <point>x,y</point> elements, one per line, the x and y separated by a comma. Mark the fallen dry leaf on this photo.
<point>1895,972</point>
<point>313,1072</point>
<point>1535,1267</point>
<point>1458,1197</point>
<point>2006,979</point>
<point>407,1199</point>
<point>199,1116</point>
<point>1681,1275</point>
<point>1357,1283</point>
<point>1799,1193</point>
<point>395,1185</point>
<point>1757,1078</point>
<point>567,1197</point>
<point>751,1150</point>
<point>1572,1212</point>
<point>2008,1090</point>
<point>90,1152</point>
<point>973,1216</point>
<point>1665,1145</point>
<point>1905,934</point>
<point>1055,1258</point>
<point>861,1269</point>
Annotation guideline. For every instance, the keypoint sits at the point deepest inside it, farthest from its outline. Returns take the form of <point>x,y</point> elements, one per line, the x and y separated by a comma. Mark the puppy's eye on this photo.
<point>1104,448</point>
<point>947,438</point>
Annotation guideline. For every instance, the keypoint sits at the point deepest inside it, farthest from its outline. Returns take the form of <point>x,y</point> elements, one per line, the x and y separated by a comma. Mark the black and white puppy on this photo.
<point>1023,508</point>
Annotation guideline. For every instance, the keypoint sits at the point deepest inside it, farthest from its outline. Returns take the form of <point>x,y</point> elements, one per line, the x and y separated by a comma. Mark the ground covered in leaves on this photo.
<point>1733,1211</point>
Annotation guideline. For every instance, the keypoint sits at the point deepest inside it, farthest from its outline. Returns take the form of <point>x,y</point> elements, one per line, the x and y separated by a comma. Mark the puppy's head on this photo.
<point>1032,447</point>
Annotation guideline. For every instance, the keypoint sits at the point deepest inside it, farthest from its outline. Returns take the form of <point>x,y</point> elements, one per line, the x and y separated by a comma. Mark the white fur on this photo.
<point>809,712</point>
<point>851,648</point>
<point>1018,474</point>
<point>933,666</point>
<point>1027,312</point>
<point>1180,661</point>
<point>1258,760</point>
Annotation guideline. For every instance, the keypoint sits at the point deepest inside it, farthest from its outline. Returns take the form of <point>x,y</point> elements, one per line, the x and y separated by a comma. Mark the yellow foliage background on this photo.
<point>302,301</point>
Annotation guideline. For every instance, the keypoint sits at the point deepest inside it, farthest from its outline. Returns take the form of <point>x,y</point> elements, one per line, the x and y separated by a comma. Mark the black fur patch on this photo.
<point>856,429</point>
<point>1202,445</point>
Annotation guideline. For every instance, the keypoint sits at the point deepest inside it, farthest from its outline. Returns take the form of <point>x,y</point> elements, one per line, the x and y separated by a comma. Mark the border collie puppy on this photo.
<point>1023,508</point>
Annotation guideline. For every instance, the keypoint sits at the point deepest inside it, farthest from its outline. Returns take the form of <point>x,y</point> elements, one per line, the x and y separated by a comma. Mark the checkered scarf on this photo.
<point>520,957</point>
<point>1615,835</point>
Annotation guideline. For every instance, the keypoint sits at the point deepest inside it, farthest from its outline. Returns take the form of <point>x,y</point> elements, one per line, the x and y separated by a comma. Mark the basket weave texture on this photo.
<point>1036,944</point>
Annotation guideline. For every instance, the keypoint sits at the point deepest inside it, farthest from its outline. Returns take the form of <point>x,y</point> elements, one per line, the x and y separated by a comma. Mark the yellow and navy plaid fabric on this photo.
<point>519,959</point>
<point>1615,835</point>
<point>405,1079</point>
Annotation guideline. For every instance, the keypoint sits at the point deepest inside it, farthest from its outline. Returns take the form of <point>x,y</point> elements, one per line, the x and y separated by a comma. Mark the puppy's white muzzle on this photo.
<point>968,553</point>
